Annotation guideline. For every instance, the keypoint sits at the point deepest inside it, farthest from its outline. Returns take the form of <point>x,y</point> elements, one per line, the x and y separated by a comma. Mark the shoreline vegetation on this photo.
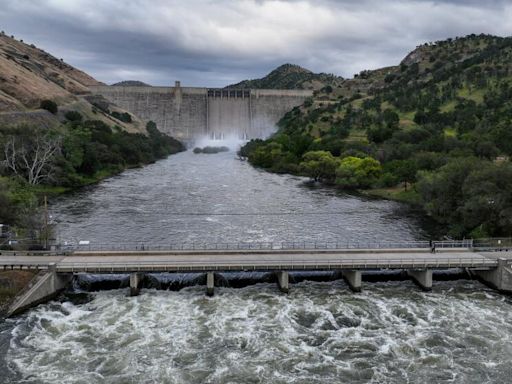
<point>434,131</point>
<point>37,163</point>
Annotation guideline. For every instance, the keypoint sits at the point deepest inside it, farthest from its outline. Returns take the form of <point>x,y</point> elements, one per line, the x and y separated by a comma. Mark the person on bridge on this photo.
<point>432,247</point>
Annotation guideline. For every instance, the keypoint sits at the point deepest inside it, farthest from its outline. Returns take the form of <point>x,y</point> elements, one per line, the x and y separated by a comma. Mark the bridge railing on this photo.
<point>284,262</point>
<point>493,244</point>
<point>283,245</point>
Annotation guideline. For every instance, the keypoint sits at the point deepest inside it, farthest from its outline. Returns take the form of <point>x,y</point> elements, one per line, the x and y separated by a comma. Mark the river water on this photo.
<point>319,333</point>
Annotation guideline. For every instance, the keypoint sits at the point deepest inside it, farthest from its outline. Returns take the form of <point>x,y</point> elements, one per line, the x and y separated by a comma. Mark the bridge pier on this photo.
<point>135,280</point>
<point>353,279</point>
<point>283,281</point>
<point>499,278</point>
<point>43,287</point>
<point>422,277</point>
<point>210,283</point>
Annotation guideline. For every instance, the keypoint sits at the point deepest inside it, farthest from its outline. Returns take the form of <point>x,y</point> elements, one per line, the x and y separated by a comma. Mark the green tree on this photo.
<point>355,172</point>
<point>404,170</point>
<point>486,206</point>
<point>441,192</point>
<point>319,165</point>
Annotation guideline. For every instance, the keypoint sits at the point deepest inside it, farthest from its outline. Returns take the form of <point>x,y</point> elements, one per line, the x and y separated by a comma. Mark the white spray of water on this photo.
<point>233,142</point>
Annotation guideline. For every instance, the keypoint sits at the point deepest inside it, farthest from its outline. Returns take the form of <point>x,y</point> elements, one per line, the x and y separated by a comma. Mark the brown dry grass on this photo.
<point>28,74</point>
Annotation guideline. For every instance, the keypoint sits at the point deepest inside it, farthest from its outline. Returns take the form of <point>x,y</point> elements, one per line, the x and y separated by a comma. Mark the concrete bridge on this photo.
<point>187,113</point>
<point>57,268</point>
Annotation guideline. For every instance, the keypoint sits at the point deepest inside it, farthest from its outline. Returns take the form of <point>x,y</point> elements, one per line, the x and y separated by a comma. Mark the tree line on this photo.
<point>37,160</point>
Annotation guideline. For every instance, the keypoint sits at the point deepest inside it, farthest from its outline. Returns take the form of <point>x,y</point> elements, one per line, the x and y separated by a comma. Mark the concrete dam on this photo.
<point>187,113</point>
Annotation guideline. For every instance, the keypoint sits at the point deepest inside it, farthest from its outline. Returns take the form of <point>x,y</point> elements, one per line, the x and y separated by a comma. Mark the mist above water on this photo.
<point>233,142</point>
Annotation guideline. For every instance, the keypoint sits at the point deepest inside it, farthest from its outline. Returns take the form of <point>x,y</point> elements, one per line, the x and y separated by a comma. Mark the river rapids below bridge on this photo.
<point>320,332</point>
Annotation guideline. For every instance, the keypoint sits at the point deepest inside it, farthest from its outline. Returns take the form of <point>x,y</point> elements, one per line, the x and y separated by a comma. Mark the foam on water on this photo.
<point>319,333</point>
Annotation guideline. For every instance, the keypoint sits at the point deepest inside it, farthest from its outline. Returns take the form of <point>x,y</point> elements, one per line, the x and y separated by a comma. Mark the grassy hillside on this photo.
<point>29,75</point>
<point>289,76</point>
<point>439,124</point>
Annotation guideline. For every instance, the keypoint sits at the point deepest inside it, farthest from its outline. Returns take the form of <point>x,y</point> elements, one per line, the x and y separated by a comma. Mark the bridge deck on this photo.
<point>109,262</point>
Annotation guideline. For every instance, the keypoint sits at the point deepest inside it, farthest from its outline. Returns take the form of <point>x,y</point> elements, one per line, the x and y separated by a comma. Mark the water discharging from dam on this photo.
<point>319,333</point>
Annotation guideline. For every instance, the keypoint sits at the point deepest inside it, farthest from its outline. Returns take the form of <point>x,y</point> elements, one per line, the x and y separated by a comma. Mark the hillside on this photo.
<point>290,76</point>
<point>28,74</point>
<point>439,121</point>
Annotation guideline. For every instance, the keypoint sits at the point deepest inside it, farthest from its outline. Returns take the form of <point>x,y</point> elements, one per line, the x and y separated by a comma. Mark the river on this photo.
<point>319,333</point>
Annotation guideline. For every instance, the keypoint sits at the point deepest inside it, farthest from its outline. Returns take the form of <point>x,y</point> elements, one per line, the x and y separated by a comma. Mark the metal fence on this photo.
<point>493,244</point>
<point>283,245</point>
<point>487,245</point>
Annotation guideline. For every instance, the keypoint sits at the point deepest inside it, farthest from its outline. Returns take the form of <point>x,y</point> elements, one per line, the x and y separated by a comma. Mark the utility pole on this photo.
<point>45,222</point>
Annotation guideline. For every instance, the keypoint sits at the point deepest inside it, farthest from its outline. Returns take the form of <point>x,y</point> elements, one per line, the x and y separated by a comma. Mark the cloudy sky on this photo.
<point>217,42</point>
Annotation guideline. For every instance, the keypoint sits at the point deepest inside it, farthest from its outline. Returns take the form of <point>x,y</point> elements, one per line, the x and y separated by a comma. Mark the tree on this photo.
<point>355,172</point>
<point>404,170</point>
<point>391,118</point>
<point>486,206</point>
<point>441,193</point>
<point>29,152</point>
<point>319,165</point>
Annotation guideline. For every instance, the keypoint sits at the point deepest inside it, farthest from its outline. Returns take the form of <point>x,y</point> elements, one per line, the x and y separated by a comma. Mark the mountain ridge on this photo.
<point>291,76</point>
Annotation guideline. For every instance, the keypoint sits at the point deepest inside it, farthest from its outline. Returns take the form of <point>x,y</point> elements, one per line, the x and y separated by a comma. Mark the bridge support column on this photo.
<point>353,279</point>
<point>422,277</point>
<point>135,280</point>
<point>283,281</point>
<point>210,283</point>
<point>43,287</point>
<point>499,278</point>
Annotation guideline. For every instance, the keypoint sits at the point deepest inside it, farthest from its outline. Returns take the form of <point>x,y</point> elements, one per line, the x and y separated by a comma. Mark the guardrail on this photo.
<point>291,263</point>
<point>283,245</point>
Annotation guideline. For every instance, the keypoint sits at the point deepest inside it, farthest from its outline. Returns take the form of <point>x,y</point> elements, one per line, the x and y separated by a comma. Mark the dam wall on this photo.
<point>187,113</point>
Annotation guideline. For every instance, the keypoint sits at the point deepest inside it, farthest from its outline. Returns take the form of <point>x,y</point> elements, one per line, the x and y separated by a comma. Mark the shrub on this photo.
<point>124,117</point>
<point>73,116</point>
<point>50,106</point>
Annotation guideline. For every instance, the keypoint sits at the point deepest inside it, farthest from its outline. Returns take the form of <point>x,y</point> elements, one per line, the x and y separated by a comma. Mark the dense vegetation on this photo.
<point>210,150</point>
<point>435,130</point>
<point>289,76</point>
<point>36,160</point>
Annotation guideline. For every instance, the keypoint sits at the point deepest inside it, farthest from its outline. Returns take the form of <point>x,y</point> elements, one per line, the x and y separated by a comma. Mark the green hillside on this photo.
<point>290,76</point>
<point>434,130</point>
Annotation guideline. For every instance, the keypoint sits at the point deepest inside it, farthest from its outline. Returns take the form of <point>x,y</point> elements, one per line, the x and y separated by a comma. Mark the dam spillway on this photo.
<point>187,113</point>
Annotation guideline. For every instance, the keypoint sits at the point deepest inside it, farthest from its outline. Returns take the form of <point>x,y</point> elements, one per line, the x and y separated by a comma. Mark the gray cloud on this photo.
<point>213,43</point>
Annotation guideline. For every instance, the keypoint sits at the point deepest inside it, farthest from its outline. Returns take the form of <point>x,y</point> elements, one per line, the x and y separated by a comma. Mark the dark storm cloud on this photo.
<point>214,43</point>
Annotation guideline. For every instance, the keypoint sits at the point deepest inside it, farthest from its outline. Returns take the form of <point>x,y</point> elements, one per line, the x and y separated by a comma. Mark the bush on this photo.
<point>354,172</point>
<point>50,106</point>
<point>124,117</point>
<point>73,116</point>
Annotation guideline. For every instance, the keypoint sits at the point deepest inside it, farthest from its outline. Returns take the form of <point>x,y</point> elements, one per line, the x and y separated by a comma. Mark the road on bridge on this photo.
<point>123,261</point>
